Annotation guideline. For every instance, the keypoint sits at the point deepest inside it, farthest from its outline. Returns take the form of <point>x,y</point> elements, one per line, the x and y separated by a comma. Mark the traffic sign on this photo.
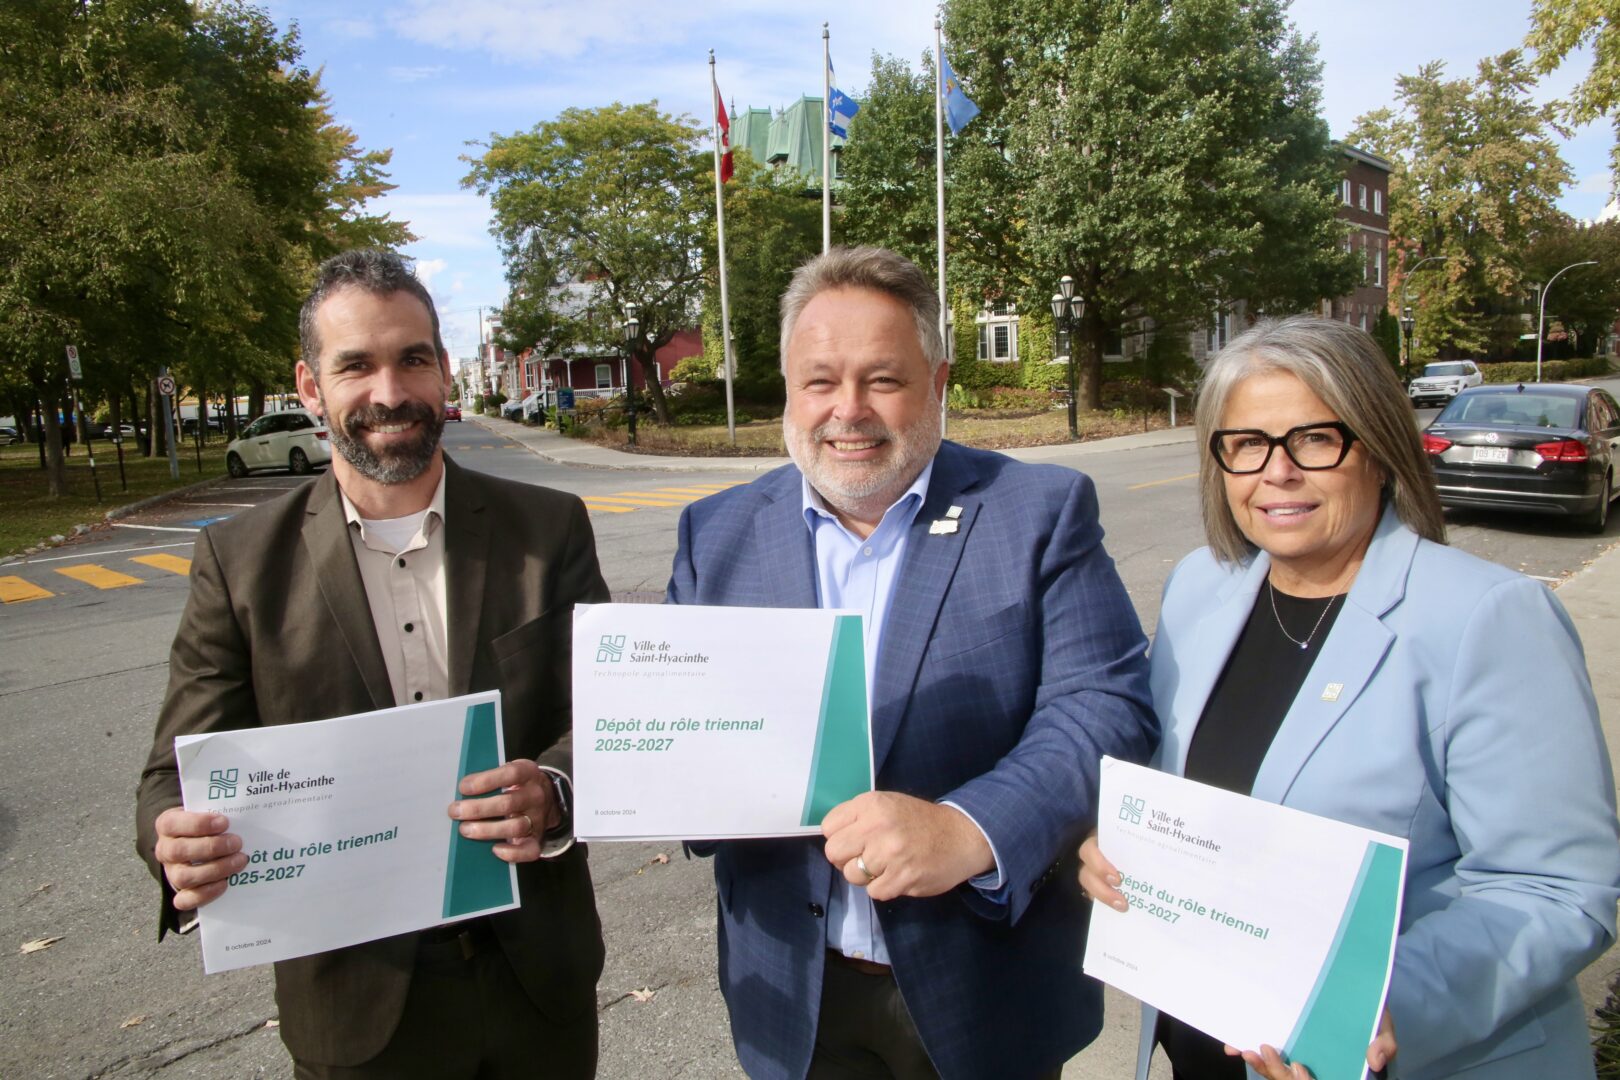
<point>166,385</point>
<point>73,363</point>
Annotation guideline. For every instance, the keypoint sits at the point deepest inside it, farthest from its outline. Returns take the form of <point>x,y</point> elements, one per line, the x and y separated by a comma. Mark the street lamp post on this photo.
<point>1406,305</point>
<point>1541,310</point>
<point>1067,310</point>
<point>1407,324</point>
<point>632,330</point>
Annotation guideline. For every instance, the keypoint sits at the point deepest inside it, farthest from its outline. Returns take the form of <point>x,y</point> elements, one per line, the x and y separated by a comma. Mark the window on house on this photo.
<point>1361,196</point>
<point>1344,192</point>
<point>1378,267</point>
<point>1378,201</point>
<point>1220,329</point>
<point>604,376</point>
<point>998,333</point>
<point>1363,321</point>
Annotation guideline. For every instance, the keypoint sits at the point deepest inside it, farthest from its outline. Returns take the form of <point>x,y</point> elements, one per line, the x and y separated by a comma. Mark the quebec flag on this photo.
<point>959,108</point>
<point>840,107</point>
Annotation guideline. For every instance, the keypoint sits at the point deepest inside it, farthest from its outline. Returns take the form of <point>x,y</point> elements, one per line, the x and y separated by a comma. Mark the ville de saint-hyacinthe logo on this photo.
<point>610,650</point>
<point>1130,809</point>
<point>222,783</point>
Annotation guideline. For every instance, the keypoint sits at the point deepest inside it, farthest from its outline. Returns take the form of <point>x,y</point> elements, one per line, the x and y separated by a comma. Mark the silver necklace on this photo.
<point>1271,590</point>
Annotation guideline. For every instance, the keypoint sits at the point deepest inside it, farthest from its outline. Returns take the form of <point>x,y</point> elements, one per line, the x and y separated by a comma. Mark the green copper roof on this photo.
<point>791,138</point>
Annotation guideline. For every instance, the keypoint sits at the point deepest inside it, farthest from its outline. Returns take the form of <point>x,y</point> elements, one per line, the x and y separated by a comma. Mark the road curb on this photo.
<point>155,500</point>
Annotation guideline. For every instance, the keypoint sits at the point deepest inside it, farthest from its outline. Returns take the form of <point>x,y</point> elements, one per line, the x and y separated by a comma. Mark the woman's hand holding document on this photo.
<point>1261,925</point>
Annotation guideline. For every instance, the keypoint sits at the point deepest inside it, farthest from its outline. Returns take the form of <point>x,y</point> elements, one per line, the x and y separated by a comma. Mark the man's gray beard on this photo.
<point>872,490</point>
<point>401,465</point>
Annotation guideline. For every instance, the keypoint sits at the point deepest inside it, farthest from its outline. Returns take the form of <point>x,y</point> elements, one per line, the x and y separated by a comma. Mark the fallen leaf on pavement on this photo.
<point>272,1023</point>
<point>138,1018</point>
<point>660,858</point>
<point>39,944</point>
<point>644,994</point>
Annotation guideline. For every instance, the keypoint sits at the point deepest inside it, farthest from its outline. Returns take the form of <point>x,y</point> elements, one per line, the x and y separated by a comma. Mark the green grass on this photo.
<point>29,515</point>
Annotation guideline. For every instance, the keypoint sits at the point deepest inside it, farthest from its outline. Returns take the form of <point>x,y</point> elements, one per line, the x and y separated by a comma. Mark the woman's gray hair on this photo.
<point>1344,367</point>
<point>866,268</point>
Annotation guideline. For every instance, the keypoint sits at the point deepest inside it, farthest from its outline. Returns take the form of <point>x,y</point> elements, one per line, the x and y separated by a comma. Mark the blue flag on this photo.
<point>840,107</point>
<point>959,108</point>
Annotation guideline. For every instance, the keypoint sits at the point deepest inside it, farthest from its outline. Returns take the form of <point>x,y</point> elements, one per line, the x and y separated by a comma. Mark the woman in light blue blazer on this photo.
<point>1327,652</point>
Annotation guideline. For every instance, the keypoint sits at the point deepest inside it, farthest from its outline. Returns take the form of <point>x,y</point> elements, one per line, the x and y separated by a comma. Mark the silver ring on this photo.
<point>860,864</point>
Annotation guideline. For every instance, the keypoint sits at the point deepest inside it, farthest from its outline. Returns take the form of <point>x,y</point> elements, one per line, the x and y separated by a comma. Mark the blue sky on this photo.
<point>423,77</point>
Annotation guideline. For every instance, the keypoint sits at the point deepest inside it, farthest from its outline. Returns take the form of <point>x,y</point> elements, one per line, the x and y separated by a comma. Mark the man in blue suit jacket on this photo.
<point>937,929</point>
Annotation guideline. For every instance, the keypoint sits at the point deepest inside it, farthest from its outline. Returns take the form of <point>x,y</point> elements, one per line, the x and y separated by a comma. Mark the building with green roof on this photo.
<point>788,138</point>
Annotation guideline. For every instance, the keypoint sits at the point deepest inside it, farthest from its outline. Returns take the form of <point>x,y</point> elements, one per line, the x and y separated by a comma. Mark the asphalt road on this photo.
<point>82,673</point>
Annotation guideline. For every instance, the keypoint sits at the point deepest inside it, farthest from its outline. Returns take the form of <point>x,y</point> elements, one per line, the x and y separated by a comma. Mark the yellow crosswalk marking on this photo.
<point>666,496</point>
<point>595,507</point>
<point>14,590</point>
<point>98,576</point>
<point>174,564</point>
<point>699,492</point>
<point>1166,480</point>
<point>642,500</point>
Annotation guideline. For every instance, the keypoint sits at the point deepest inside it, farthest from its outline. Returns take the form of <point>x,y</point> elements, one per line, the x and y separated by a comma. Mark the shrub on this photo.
<point>478,403</point>
<point>1606,1034</point>
<point>697,370</point>
<point>1512,371</point>
<point>1019,397</point>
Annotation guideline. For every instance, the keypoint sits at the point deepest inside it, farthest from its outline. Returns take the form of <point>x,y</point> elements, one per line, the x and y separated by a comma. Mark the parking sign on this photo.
<point>73,363</point>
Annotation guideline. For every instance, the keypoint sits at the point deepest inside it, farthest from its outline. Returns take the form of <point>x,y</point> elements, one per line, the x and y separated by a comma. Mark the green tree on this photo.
<point>1559,27</point>
<point>889,163</point>
<point>1167,155</point>
<point>615,198</point>
<point>771,228</point>
<point>1584,302</point>
<point>1476,176</point>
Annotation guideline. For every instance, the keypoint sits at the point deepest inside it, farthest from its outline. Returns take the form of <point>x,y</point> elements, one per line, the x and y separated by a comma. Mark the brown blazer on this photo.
<point>277,630</point>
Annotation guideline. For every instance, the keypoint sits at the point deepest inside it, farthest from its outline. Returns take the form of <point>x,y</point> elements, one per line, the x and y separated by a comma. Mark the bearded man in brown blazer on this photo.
<point>398,577</point>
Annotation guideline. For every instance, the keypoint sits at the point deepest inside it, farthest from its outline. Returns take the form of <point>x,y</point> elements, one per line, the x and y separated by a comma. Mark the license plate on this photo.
<point>1495,455</point>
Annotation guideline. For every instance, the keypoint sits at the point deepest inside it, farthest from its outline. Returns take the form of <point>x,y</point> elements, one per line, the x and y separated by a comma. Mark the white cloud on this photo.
<point>417,74</point>
<point>1595,184</point>
<point>454,220</point>
<point>428,269</point>
<point>361,29</point>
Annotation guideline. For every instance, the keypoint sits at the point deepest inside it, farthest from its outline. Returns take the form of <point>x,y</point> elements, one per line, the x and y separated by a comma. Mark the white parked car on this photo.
<point>294,440</point>
<point>1442,380</point>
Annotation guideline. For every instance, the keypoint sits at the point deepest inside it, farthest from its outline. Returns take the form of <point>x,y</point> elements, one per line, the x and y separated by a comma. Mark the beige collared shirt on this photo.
<point>402,567</point>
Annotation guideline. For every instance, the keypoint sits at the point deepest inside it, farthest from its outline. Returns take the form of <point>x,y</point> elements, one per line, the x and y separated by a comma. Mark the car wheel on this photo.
<point>298,461</point>
<point>234,466</point>
<point>1598,519</point>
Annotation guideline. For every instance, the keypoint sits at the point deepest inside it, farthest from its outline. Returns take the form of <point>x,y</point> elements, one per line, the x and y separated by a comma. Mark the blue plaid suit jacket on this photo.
<point>1012,660</point>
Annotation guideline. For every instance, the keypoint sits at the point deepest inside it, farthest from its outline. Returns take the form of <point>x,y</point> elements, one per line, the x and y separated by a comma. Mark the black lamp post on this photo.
<point>632,330</point>
<point>1407,323</point>
<point>1067,310</point>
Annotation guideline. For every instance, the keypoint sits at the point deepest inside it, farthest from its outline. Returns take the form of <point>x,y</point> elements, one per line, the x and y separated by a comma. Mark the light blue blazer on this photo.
<point>1464,721</point>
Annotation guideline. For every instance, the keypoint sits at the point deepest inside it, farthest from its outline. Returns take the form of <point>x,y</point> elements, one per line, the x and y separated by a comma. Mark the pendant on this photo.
<point>1304,645</point>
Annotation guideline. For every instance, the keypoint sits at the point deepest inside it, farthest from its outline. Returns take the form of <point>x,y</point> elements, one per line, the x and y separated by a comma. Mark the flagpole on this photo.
<point>939,192</point>
<point>720,233</point>
<point>826,140</point>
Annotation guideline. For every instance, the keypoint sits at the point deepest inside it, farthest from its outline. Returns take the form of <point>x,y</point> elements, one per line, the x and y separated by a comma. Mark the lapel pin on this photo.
<point>953,513</point>
<point>1331,691</point>
<point>942,527</point>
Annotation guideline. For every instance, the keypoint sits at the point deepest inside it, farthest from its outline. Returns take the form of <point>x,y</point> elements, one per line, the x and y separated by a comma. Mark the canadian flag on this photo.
<point>724,122</point>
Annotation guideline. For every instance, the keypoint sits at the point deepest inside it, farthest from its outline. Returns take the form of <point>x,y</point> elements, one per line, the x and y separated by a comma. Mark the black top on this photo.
<point>1258,685</point>
<point>1261,679</point>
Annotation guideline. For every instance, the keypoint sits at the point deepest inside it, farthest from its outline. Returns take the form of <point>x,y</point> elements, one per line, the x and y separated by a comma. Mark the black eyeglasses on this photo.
<point>1310,446</point>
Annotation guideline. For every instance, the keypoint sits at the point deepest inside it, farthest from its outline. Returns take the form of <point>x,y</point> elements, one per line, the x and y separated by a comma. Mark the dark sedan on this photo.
<point>1537,447</point>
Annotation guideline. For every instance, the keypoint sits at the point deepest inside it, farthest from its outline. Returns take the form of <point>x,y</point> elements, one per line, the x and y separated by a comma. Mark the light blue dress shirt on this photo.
<point>858,574</point>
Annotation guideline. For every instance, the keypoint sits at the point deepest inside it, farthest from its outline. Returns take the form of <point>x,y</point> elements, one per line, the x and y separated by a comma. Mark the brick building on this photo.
<point>1364,203</point>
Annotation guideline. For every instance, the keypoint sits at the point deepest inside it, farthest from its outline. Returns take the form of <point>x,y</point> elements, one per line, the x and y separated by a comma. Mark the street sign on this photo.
<point>73,363</point>
<point>166,385</point>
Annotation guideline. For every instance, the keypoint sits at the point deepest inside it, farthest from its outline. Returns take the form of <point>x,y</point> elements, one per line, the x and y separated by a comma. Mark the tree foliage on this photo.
<point>889,163</point>
<point>1166,155</point>
<point>1476,176</point>
<point>771,228</point>
<point>1558,28</point>
<point>612,197</point>
<point>168,177</point>
<point>1583,303</point>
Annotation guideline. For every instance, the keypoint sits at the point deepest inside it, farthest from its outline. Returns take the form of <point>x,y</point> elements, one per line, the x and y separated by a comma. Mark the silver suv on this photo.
<point>1441,381</point>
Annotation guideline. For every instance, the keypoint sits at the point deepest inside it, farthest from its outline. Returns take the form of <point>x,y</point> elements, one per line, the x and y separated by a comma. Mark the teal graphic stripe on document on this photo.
<point>1333,1030</point>
<point>475,879</point>
<point>842,766</point>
